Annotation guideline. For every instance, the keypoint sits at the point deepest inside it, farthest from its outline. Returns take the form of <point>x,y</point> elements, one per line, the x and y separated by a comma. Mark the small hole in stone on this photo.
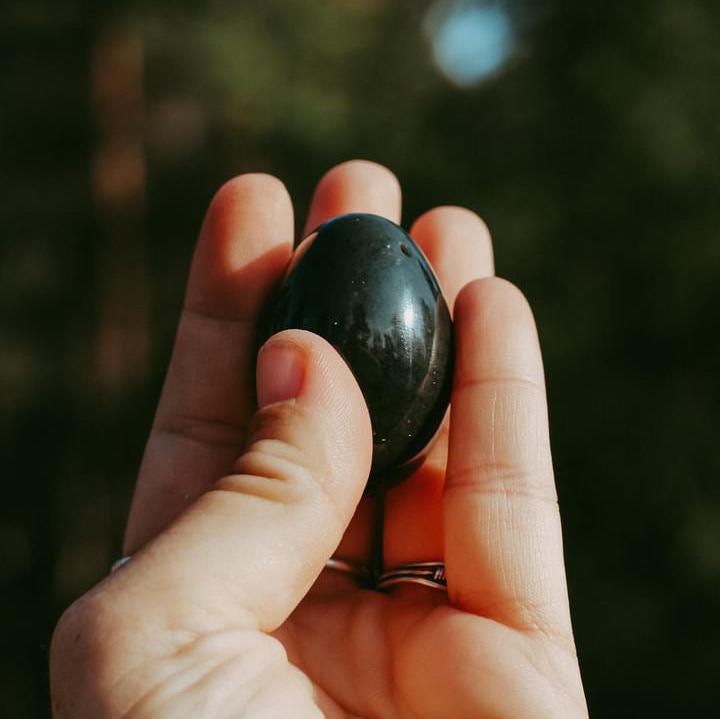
<point>405,249</point>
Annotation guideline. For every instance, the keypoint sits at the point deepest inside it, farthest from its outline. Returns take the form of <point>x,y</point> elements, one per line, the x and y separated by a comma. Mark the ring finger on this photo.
<point>458,246</point>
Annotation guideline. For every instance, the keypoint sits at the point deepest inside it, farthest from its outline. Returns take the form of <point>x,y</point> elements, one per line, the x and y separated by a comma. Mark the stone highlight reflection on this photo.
<point>360,282</point>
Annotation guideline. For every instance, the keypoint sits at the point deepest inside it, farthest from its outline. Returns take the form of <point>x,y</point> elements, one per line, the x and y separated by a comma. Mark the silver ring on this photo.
<point>120,563</point>
<point>429,574</point>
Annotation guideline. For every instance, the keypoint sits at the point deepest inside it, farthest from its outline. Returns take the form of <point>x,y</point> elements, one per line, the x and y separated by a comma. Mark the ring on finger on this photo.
<point>427,574</point>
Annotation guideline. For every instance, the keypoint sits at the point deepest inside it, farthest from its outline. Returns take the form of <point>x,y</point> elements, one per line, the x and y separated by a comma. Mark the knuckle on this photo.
<point>292,424</point>
<point>508,481</point>
<point>272,469</point>
<point>285,460</point>
<point>271,419</point>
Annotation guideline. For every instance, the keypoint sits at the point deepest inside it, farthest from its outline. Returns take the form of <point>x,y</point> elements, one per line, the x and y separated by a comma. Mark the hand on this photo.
<point>225,610</point>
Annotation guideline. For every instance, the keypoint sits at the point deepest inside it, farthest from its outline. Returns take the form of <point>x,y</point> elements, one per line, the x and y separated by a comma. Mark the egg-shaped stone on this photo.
<point>361,282</point>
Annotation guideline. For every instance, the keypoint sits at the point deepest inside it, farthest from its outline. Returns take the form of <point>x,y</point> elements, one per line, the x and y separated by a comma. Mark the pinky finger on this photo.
<point>503,541</point>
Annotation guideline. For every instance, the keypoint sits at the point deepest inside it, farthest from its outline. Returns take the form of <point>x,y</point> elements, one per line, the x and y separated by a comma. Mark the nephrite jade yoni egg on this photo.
<point>361,282</point>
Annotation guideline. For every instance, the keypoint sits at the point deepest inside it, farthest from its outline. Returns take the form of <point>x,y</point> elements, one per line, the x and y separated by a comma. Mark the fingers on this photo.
<point>457,244</point>
<point>503,543</point>
<point>258,540</point>
<point>244,244</point>
<point>356,186</point>
<point>208,396</point>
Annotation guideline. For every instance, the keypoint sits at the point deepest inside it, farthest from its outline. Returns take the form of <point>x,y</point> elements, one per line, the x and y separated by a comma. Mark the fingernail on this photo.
<point>280,372</point>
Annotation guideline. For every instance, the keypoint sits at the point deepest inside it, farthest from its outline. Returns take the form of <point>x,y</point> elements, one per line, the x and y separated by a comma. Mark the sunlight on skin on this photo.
<point>457,244</point>
<point>236,512</point>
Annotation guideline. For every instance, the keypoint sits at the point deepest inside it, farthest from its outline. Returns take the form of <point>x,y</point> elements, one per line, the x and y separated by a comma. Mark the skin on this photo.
<point>225,610</point>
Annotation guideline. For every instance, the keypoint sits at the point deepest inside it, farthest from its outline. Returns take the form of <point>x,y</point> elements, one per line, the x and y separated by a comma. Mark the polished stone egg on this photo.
<point>361,282</point>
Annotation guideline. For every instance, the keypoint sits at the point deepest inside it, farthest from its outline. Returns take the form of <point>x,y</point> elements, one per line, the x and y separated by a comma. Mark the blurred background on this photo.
<point>585,133</point>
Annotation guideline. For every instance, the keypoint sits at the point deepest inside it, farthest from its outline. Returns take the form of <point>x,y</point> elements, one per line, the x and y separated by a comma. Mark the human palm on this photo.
<point>225,610</point>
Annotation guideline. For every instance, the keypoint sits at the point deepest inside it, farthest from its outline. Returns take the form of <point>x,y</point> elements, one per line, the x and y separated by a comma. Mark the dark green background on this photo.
<point>594,157</point>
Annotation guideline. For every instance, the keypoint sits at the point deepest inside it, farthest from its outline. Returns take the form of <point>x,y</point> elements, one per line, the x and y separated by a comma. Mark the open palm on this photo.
<point>225,610</point>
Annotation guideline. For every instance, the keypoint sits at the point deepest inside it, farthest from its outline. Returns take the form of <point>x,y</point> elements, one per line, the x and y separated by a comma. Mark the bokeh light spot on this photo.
<point>471,41</point>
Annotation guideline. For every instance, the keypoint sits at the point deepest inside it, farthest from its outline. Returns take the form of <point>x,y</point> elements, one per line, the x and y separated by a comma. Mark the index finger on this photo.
<point>208,397</point>
<point>503,539</point>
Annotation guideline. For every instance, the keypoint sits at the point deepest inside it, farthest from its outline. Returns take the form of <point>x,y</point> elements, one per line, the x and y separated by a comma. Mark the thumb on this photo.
<point>259,538</point>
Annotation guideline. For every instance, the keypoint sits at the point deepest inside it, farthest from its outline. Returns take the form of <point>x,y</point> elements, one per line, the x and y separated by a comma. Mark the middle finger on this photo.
<point>356,186</point>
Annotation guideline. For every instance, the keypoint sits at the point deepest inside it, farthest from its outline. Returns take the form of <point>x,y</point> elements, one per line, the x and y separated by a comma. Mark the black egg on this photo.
<point>361,282</point>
